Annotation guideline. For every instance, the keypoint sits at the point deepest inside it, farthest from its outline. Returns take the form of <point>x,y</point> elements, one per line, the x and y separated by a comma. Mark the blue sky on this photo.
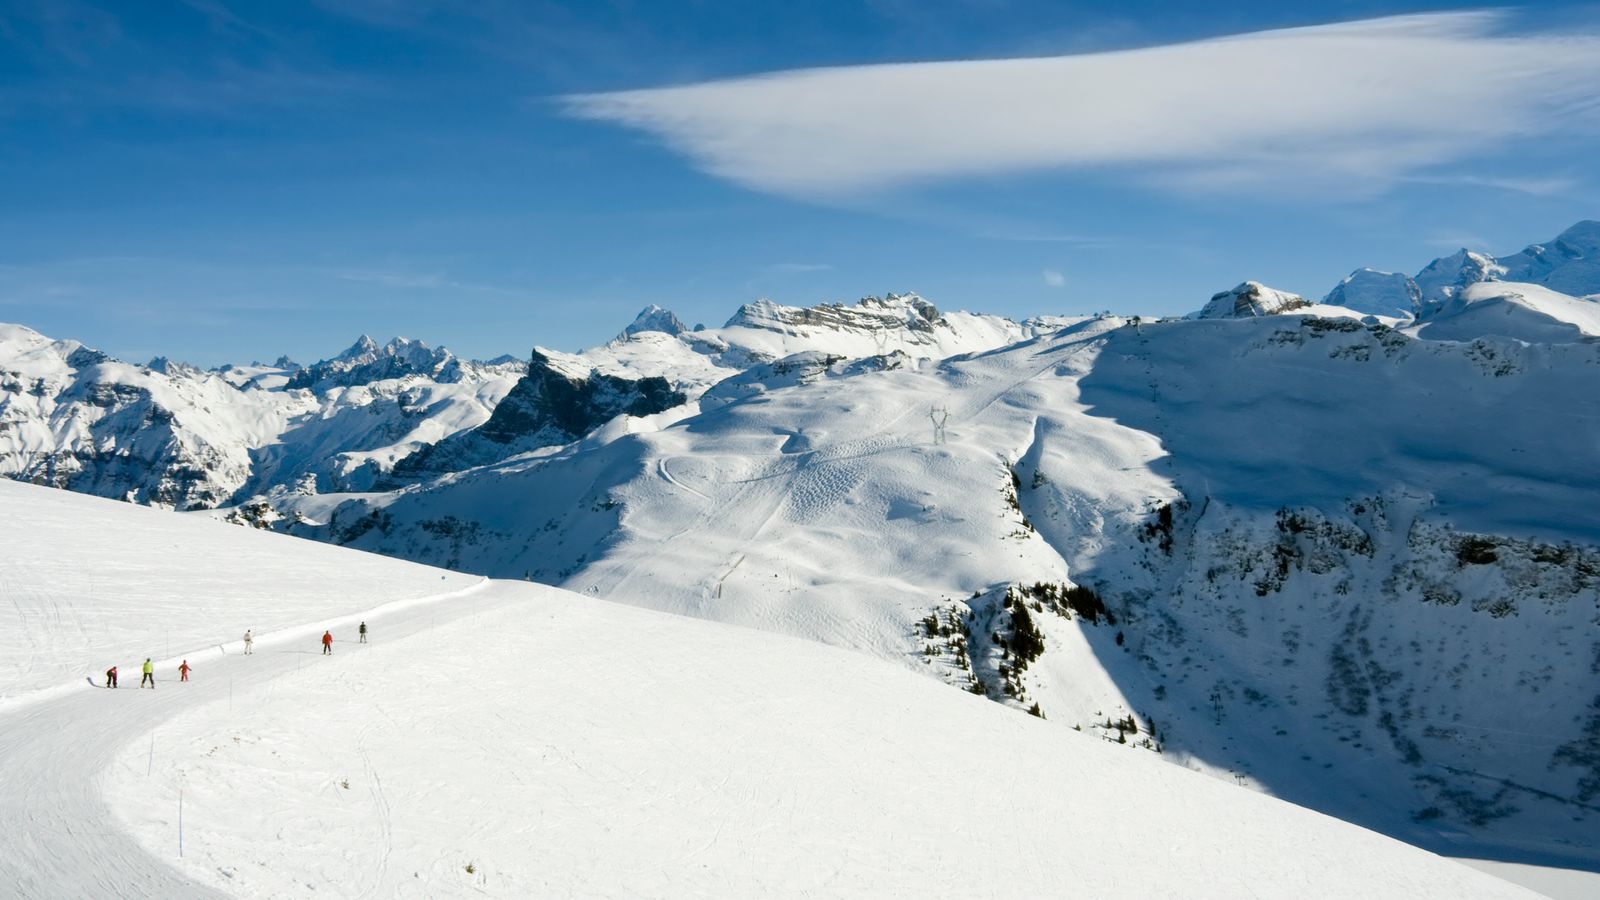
<point>220,181</point>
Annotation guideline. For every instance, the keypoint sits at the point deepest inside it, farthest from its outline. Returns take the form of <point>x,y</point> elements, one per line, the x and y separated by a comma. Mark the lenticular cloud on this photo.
<point>1359,103</point>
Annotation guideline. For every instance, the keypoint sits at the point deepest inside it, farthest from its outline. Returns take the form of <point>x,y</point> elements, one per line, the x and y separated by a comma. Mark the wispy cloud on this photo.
<point>420,281</point>
<point>1456,241</point>
<point>796,268</point>
<point>1053,278</point>
<point>1549,186</point>
<point>1358,105</point>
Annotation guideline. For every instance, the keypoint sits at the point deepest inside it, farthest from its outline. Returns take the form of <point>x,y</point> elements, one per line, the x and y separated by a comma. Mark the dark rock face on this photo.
<point>546,408</point>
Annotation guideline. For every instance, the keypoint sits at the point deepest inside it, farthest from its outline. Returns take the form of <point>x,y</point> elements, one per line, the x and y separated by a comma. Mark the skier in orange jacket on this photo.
<point>327,643</point>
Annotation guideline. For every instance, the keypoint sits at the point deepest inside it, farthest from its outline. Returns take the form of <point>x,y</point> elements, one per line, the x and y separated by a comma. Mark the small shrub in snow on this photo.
<point>1476,551</point>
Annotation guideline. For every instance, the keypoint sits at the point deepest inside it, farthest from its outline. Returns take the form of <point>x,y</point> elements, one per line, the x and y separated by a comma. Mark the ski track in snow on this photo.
<point>62,830</point>
<point>666,473</point>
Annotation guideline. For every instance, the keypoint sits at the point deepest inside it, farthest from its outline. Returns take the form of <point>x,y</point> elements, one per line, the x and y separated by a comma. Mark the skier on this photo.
<point>183,671</point>
<point>327,643</point>
<point>247,641</point>
<point>111,677</point>
<point>363,632</point>
<point>149,675</point>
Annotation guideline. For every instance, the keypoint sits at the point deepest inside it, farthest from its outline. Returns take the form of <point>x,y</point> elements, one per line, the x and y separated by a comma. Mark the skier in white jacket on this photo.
<point>247,641</point>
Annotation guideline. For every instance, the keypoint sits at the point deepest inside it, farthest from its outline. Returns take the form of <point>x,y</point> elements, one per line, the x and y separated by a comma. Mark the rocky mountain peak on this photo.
<point>1250,299</point>
<point>654,318</point>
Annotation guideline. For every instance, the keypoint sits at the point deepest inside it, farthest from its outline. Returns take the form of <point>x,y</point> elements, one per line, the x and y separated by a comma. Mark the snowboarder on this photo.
<point>111,677</point>
<point>149,675</point>
<point>247,641</point>
<point>327,643</point>
<point>363,632</point>
<point>183,671</point>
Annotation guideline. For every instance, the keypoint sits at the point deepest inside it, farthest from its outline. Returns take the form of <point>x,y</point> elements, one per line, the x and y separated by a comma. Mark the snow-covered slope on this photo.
<point>91,583</point>
<point>1293,522</point>
<point>657,364</point>
<point>517,740</point>
<point>1523,312</point>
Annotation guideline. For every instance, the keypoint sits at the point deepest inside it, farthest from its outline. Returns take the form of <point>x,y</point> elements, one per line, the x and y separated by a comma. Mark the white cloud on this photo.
<point>1053,278</point>
<point>1350,106</point>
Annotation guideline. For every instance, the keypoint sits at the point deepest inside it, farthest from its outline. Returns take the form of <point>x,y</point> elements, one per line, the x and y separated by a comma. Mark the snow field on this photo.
<point>88,583</point>
<point>563,746</point>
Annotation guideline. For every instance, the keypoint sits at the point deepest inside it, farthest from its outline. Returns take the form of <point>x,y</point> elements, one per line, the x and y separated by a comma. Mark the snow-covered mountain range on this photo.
<point>1343,551</point>
<point>172,435</point>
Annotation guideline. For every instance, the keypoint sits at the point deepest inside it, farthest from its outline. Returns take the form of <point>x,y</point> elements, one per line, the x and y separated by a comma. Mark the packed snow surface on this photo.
<point>517,740</point>
<point>1522,312</point>
<point>91,583</point>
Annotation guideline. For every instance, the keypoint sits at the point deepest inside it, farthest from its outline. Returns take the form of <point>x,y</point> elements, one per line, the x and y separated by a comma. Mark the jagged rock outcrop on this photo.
<point>653,318</point>
<point>366,362</point>
<point>1250,299</point>
<point>891,312</point>
<point>552,405</point>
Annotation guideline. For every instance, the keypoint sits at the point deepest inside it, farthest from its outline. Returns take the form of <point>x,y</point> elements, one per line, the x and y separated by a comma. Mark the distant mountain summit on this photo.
<point>907,312</point>
<point>365,362</point>
<point>1377,293</point>
<point>1248,300</point>
<point>653,318</point>
<point>1570,263</point>
<point>1446,276</point>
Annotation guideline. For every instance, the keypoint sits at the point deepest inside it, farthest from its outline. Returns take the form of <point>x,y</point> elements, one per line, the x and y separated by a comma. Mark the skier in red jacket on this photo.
<point>183,671</point>
<point>327,643</point>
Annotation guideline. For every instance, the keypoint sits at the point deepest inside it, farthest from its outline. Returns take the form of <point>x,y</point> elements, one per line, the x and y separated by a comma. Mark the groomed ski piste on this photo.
<point>510,739</point>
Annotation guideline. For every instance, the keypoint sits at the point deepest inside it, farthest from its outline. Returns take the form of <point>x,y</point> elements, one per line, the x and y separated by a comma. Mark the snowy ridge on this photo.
<point>171,435</point>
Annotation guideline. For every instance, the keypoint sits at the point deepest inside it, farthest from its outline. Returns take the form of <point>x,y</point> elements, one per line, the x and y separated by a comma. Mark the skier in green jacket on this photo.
<point>149,675</point>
